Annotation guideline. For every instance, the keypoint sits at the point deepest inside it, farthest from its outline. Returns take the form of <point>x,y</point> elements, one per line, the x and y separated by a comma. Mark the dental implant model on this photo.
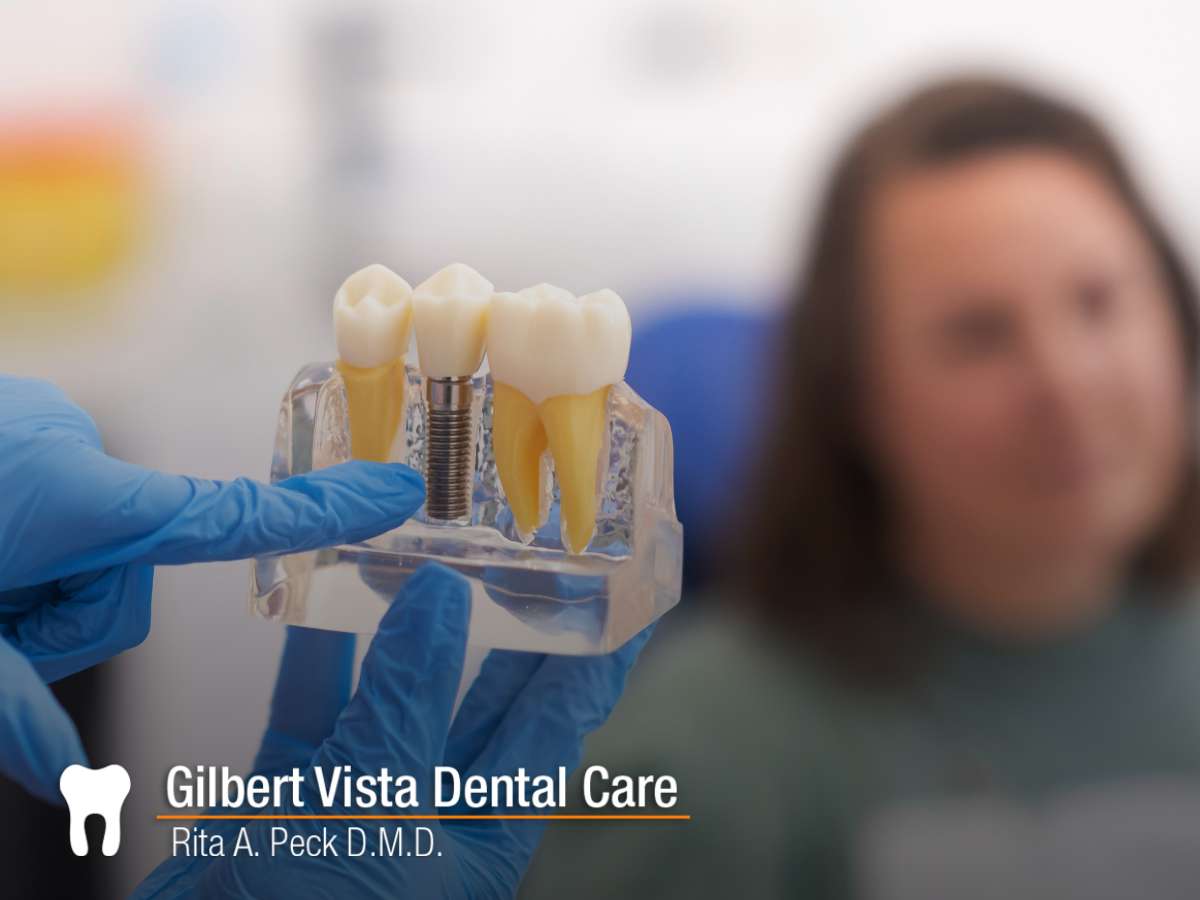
<point>451,311</point>
<point>548,481</point>
<point>553,359</point>
<point>372,318</point>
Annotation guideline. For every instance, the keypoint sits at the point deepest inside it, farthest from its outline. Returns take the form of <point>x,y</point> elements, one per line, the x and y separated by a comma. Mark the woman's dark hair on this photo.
<point>815,550</point>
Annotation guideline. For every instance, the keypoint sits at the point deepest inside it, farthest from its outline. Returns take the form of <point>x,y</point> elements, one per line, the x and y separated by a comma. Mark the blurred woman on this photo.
<point>957,660</point>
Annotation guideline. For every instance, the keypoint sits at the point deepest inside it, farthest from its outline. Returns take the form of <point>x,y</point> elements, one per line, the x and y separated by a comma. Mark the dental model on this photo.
<point>450,309</point>
<point>553,359</point>
<point>548,481</point>
<point>372,320</point>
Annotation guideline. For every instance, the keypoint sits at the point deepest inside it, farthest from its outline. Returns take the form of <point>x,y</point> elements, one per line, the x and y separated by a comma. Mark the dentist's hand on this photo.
<point>80,531</point>
<point>37,737</point>
<point>524,710</point>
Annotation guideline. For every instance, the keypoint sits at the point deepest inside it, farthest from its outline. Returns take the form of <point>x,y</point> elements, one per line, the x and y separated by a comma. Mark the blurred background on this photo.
<point>183,186</point>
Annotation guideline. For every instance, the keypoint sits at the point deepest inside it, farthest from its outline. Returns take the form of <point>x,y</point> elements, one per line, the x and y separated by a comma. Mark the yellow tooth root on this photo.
<point>575,426</point>
<point>376,407</point>
<point>518,442</point>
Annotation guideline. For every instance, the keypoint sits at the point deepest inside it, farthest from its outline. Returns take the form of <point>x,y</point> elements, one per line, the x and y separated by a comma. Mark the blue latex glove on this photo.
<point>81,531</point>
<point>37,737</point>
<point>524,709</point>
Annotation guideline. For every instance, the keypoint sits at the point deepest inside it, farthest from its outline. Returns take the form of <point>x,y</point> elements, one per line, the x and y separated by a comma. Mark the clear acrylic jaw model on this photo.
<point>526,594</point>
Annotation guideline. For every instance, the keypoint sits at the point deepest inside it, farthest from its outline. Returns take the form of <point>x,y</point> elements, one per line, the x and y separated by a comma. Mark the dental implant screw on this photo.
<point>449,449</point>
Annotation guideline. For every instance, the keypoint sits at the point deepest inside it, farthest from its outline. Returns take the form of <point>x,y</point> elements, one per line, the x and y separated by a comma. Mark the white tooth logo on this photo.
<point>95,791</point>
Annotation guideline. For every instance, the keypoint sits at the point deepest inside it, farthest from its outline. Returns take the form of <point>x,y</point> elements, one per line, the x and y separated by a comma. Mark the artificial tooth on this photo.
<point>553,358</point>
<point>99,792</point>
<point>372,321</point>
<point>450,312</point>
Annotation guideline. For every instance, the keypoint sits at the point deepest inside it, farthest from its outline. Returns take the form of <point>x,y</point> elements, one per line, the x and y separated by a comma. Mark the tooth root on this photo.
<point>518,442</point>
<point>575,425</point>
<point>94,792</point>
<point>375,397</point>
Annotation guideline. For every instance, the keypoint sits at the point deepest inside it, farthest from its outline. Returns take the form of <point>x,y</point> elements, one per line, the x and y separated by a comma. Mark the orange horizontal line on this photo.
<point>459,817</point>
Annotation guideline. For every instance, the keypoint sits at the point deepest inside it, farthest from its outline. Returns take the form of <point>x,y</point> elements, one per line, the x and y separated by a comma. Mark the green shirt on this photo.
<point>799,785</point>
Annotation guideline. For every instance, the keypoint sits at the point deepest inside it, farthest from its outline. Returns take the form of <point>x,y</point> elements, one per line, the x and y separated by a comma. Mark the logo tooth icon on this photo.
<point>95,792</point>
<point>553,359</point>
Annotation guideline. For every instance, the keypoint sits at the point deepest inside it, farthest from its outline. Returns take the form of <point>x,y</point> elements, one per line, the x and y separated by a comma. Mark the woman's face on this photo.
<point>1025,386</point>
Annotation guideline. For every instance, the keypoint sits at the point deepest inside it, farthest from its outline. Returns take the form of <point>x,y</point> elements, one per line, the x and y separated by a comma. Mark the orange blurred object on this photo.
<point>70,203</point>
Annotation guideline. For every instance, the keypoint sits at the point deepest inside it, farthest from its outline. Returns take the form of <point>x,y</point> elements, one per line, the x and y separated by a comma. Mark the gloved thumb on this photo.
<point>38,740</point>
<point>400,715</point>
<point>311,690</point>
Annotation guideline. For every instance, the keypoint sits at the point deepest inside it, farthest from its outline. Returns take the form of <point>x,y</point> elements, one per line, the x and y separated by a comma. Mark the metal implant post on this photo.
<point>449,449</point>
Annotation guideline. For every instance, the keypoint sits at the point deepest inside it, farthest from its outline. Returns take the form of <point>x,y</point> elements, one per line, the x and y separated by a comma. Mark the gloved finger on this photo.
<point>38,740</point>
<point>567,698</point>
<point>95,616</point>
<point>119,513</point>
<point>545,601</point>
<point>311,690</point>
<point>339,504</point>
<point>400,714</point>
<point>501,679</point>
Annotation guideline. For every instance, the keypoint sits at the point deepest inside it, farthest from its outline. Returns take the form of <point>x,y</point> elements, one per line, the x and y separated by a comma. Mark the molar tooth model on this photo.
<point>553,359</point>
<point>372,315</point>
<point>548,481</point>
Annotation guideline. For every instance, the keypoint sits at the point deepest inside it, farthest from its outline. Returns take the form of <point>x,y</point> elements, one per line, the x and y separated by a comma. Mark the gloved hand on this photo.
<point>81,531</point>
<point>37,737</point>
<point>524,709</point>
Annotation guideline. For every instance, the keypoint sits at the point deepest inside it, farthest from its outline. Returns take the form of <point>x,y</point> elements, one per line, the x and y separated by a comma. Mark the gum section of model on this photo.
<point>542,588</point>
